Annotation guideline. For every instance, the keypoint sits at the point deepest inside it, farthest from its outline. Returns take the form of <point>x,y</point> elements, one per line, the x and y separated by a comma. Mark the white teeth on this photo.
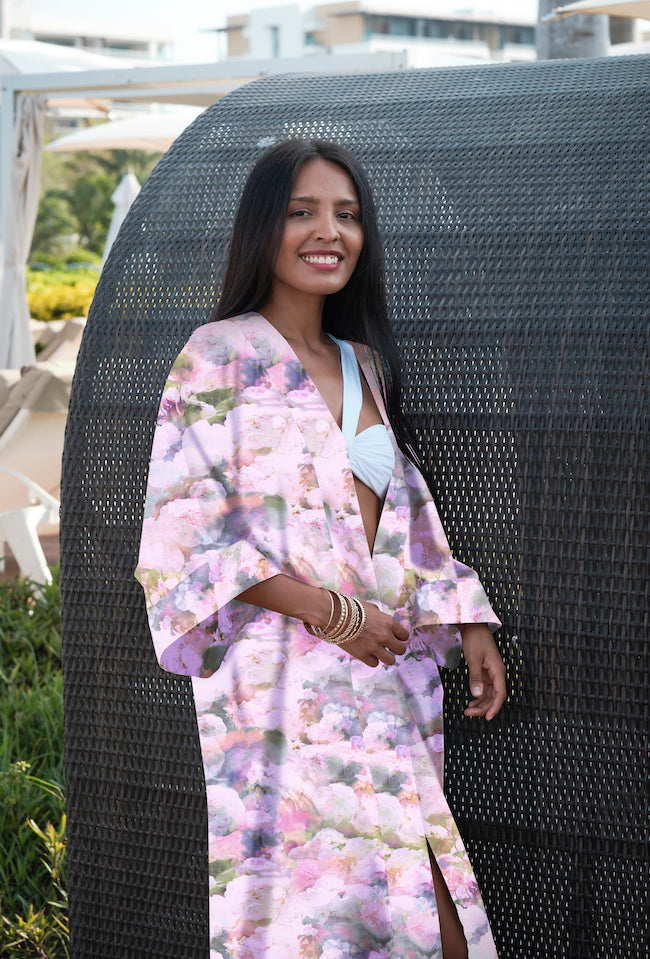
<point>328,260</point>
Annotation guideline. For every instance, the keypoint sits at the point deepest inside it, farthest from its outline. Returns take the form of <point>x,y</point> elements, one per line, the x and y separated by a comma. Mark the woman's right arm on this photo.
<point>382,638</point>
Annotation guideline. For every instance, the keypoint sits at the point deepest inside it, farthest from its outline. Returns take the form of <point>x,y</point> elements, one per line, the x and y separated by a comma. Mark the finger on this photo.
<point>396,646</point>
<point>499,694</point>
<point>497,672</point>
<point>369,660</point>
<point>495,684</point>
<point>475,667</point>
<point>490,703</point>
<point>475,711</point>
<point>385,656</point>
<point>400,631</point>
<point>373,652</point>
<point>478,707</point>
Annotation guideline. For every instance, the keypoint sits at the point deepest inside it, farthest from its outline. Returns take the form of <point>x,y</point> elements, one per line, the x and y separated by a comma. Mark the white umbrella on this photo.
<point>16,348</point>
<point>615,8</point>
<point>126,192</point>
<point>143,131</point>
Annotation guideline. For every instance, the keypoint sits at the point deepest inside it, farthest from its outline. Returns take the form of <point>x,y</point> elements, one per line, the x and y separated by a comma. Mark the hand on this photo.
<point>382,639</point>
<point>487,674</point>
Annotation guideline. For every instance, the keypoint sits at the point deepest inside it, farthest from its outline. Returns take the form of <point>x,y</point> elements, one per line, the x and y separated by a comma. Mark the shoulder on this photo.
<point>363,353</point>
<point>369,361</point>
<point>215,356</point>
<point>219,342</point>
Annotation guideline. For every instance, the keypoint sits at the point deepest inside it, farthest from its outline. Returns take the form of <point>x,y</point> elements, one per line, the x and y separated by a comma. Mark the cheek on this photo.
<point>356,239</point>
<point>291,239</point>
<point>355,249</point>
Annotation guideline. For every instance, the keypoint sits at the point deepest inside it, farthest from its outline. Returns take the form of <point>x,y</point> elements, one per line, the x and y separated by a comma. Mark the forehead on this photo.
<point>317,177</point>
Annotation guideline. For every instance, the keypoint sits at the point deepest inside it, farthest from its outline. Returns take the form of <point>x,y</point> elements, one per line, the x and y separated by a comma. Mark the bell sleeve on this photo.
<point>447,593</point>
<point>214,519</point>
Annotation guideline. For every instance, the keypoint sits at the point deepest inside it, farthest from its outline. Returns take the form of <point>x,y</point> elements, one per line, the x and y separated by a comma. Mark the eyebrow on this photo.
<point>313,199</point>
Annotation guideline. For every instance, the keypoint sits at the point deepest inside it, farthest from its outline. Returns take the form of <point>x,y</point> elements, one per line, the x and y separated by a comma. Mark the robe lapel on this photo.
<point>393,521</point>
<point>324,444</point>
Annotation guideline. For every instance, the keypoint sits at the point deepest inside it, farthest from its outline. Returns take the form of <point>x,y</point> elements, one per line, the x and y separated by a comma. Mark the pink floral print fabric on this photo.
<point>323,775</point>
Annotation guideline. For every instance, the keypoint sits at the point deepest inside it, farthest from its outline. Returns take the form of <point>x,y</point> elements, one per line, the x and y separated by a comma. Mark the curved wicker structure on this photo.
<point>512,202</point>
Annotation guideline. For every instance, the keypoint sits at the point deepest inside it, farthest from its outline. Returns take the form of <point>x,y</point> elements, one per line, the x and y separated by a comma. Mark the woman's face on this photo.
<point>323,236</point>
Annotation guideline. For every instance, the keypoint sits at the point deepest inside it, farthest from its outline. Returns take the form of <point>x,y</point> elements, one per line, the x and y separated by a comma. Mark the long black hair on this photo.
<point>358,311</point>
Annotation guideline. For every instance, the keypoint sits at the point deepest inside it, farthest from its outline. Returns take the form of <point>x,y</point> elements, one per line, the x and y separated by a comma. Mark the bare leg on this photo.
<point>454,944</point>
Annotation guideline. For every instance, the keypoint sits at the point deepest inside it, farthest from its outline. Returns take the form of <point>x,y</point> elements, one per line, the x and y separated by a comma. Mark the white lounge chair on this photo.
<point>19,527</point>
<point>33,412</point>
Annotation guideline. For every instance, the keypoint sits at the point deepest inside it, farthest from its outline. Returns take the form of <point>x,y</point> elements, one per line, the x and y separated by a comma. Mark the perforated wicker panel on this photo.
<point>513,202</point>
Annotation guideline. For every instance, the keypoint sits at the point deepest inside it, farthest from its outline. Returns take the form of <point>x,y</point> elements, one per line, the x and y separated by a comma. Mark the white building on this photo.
<point>104,35</point>
<point>430,33</point>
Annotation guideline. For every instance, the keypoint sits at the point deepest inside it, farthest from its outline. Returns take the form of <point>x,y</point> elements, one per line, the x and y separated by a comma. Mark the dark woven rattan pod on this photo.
<point>513,202</point>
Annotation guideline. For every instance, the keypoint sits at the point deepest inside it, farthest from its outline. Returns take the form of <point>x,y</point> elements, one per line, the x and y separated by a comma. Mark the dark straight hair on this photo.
<point>358,311</point>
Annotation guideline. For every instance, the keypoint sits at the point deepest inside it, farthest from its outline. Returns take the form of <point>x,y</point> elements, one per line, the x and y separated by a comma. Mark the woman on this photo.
<point>294,565</point>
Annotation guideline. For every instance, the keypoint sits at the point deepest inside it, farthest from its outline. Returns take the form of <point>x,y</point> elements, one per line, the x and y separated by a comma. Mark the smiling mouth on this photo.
<point>331,260</point>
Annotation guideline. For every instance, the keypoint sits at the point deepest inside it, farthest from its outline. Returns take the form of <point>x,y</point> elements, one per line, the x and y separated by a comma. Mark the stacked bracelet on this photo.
<point>350,624</point>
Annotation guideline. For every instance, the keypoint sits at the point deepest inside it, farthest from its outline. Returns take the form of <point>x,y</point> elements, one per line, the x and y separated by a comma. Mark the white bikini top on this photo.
<point>371,452</point>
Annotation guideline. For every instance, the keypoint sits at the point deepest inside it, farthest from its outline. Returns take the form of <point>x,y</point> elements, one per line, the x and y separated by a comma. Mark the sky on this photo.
<point>183,19</point>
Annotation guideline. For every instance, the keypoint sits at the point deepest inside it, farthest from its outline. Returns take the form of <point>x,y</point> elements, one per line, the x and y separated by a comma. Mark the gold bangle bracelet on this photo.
<point>331,599</point>
<point>343,621</point>
<point>321,631</point>
<point>350,624</point>
<point>353,626</point>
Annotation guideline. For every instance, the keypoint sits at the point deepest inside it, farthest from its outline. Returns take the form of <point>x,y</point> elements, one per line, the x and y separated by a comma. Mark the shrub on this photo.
<point>60,294</point>
<point>73,254</point>
<point>32,820</point>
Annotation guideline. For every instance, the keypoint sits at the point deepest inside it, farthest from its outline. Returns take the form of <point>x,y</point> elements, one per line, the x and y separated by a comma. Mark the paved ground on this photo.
<point>50,546</point>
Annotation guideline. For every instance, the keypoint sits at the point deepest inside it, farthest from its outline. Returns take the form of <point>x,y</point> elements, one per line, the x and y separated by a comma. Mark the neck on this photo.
<point>299,317</point>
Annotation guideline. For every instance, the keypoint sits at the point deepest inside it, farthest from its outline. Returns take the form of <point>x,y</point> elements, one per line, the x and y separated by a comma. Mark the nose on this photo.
<point>326,227</point>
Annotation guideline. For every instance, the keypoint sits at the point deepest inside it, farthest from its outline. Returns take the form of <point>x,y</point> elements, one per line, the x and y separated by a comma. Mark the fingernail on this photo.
<point>477,690</point>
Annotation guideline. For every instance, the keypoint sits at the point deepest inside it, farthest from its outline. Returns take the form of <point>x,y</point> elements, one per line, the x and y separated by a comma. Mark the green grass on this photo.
<point>32,819</point>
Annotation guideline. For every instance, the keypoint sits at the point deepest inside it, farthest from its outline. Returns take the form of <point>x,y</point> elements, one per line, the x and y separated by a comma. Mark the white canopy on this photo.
<point>33,56</point>
<point>614,8</point>
<point>22,136</point>
<point>142,131</point>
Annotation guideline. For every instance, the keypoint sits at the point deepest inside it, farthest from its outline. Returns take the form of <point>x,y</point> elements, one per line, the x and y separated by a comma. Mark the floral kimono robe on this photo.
<point>323,775</point>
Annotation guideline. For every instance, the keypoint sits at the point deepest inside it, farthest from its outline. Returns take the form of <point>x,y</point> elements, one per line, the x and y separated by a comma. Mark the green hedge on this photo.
<point>60,294</point>
<point>32,819</point>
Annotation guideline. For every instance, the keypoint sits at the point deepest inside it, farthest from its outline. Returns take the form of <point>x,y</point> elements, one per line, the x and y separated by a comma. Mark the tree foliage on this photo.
<point>76,188</point>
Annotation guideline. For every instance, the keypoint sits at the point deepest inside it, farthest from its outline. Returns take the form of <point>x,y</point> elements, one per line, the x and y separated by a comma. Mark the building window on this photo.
<point>275,41</point>
<point>519,35</point>
<point>391,26</point>
<point>431,28</point>
<point>444,29</point>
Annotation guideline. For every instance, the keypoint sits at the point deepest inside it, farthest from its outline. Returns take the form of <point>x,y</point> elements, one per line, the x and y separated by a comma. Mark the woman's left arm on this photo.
<point>487,674</point>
